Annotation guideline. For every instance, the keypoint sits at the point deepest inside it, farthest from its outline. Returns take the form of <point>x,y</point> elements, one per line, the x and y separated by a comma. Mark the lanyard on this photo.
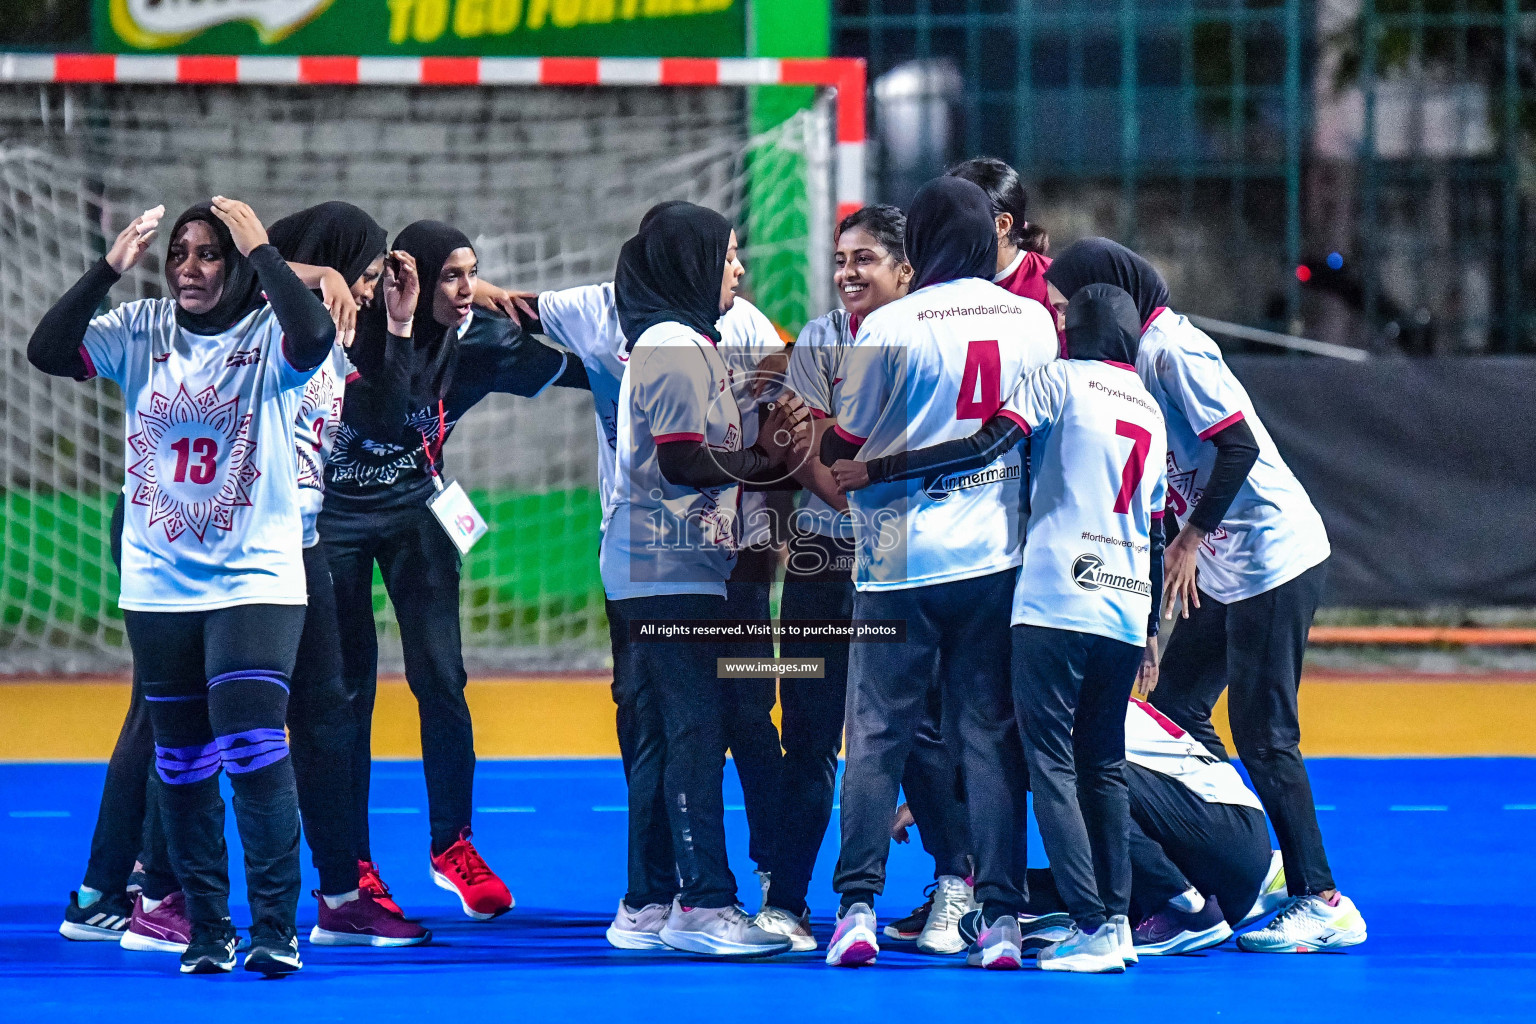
<point>426,446</point>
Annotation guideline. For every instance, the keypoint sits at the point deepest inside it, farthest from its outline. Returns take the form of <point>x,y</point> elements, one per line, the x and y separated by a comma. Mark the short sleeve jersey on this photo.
<point>928,368</point>
<point>1096,483</point>
<point>1272,533</point>
<point>660,537</point>
<point>212,495</point>
<point>378,474</point>
<point>315,435</point>
<point>586,321</point>
<point>747,337</point>
<point>1155,743</point>
<point>816,375</point>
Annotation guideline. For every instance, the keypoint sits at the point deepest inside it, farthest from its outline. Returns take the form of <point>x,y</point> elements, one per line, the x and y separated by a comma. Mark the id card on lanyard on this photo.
<point>454,511</point>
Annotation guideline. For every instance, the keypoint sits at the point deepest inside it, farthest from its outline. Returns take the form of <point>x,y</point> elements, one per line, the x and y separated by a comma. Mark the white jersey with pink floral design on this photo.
<point>212,496</point>
<point>315,434</point>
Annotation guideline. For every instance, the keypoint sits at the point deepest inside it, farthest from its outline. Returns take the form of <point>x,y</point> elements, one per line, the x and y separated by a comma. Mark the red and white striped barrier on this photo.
<point>844,75</point>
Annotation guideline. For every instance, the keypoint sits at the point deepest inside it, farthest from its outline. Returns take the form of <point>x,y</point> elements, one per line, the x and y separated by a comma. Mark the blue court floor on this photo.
<point>1440,856</point>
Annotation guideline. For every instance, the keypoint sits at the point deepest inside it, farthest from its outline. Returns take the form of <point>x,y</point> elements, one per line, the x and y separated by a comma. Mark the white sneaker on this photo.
<point>638,929</point>
<point>1125,938</point>
<point>853,943</point>
<point>778,921</point>
<point>1000,947</point>
<point>1272,894</point>
<point>719,931</point>
<point>952,900</point>
<point>1098,953</point>
<point>1308,924</point>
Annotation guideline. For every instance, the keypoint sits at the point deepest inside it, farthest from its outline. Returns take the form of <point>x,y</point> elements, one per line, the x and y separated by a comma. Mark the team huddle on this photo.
<point>1017,463</point>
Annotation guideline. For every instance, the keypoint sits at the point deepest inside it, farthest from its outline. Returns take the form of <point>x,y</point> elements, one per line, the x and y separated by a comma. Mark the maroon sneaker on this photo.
<point>364,922</point>
<point>166,929</point>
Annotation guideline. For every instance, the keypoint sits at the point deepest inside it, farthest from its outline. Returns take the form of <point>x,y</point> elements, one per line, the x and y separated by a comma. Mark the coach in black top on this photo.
<point>416,378</point>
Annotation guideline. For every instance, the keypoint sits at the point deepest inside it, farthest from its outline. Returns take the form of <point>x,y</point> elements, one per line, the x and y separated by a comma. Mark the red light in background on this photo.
<point>1303,273</point>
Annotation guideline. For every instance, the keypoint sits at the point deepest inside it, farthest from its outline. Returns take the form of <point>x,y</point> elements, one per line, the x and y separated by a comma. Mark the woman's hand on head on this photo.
<point>402,288</point>
<point>850,474</point>
<point>133,242</point>
<point>339,302</point>
<point>242,222</point>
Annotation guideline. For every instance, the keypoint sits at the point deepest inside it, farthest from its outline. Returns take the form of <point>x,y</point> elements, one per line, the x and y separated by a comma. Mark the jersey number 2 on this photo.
<point>1135,466</point>
<point>207,451</point>
<point>981,386</point>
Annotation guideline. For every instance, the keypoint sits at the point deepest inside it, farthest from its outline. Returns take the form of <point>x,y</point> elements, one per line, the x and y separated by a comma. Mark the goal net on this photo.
<point>548,182</point>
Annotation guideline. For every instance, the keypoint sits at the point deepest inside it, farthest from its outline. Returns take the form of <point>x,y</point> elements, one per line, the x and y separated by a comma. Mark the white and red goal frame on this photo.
<point>843,76</point>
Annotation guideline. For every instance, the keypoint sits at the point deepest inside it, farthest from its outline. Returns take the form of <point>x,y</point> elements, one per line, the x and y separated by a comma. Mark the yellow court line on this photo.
<point>78,720</point>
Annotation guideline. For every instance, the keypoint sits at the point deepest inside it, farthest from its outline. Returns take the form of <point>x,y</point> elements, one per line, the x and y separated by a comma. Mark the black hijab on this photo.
<point>1101,261</point>
<point>671,271</point>
<point>1103,323</point>
<point>950,233</point>
<point>242,292</point>
<point>336,235</point>
<point>434,347</point>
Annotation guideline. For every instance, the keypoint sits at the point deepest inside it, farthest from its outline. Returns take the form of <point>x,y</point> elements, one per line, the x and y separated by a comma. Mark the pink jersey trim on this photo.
<point>1159,311</point>
<point>850,438</point>
<point>1119,365</point>
<point>669,438</point>
<point>1008,414</point>
<point>1158,514</point>
<point>353,376</point>
<point>90,364</point>
<point>1157,716</point>
<point>1205,435</point>
<point>817,414</point>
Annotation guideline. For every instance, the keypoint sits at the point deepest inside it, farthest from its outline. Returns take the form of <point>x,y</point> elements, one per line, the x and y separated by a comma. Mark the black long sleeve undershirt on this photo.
<point>695,464</point>
<point>1236,452</point>
<point>1156,563</point>
<point>996,436</point>
<point>308,331</point>
<point>55,344</point>
<point>835,446</point>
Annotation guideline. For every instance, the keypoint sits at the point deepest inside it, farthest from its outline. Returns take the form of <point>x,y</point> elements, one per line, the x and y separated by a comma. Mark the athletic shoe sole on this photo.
<point>1083,964</point>
<point>140,943</point>
<point>701,942</point>
<point>1000,958</point>
<point>1188,942</point>
<point>619,938</point>
<point>442,882</point>
<point>892,933</point>
<point>272,964</point>
<point>951,943</point>
<point>857,949</point>
<point>208,965</point>
<point>1337,941</point>
<point>801,943</point>
<point>89,932</point>
<point>323,937</point>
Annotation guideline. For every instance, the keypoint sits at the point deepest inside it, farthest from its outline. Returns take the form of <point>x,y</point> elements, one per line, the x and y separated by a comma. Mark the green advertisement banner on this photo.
<point>493,28</point>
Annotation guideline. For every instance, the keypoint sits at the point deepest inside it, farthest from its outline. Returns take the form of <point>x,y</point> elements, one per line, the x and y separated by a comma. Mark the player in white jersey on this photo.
<point>586,320</point>
<point>336,246</point>
<point>941,560</point>
<point>1082,609</point>
<point>1250,537</point>
<point>213,586</point>
<point>669,544</point>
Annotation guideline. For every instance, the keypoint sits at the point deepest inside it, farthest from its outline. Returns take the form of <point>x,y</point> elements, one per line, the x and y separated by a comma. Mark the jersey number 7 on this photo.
<point>981,385</point>
<point>1135,466</point>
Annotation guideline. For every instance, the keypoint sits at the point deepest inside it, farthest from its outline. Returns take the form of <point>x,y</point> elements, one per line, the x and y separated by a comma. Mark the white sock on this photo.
<point>87,896</point>
<point>1190,901</point>
<point>335,901</point>
<point>150,906</point>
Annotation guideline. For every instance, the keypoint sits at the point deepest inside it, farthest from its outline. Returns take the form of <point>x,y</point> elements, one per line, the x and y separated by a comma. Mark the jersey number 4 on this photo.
<point>981,386</point>
<point>1135,466</point>
<point>206,452</point>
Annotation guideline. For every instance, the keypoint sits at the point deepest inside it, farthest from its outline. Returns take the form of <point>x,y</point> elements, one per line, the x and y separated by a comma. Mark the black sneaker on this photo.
<point>910,927</point>
<point>212,949</point>
<point>102,921</point>
<point>273,953</point>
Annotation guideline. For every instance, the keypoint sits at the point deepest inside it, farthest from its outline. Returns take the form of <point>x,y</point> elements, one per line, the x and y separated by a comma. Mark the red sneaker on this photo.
<point>369,881</point>
<point>462,871</point>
